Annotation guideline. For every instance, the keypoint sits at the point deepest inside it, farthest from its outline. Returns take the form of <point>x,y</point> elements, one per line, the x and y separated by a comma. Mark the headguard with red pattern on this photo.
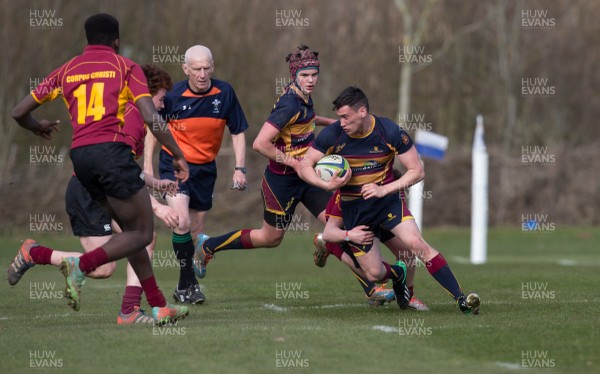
<point>302,58</point>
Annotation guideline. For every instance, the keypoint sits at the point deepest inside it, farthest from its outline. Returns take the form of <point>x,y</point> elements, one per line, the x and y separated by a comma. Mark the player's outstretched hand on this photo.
<point>361,235</point>
<point>46,128</point>
<point>182,170</point>
<point>371,190</point>
<point>166,214</point>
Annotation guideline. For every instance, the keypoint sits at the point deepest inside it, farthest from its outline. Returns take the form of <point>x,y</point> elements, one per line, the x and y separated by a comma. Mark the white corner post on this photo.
<point>415,202</point>
<point>479,199</point>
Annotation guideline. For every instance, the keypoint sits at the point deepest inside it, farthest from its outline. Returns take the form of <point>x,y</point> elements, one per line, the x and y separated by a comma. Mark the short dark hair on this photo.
<point>353,97</point>
<point>157,79</point>
<point>101,29</point>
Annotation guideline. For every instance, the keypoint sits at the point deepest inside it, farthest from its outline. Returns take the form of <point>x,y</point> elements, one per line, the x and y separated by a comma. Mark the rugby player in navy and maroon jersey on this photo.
<point>96,87</point>
<point>370,197</point>
<point>198,110</point>
<point>283,139</point>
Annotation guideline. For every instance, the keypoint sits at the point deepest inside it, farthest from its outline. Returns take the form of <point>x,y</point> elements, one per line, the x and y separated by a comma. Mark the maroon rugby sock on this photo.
<point>393,272</point>
<point>41,255</point>
<point>335,249</point>
<point>131,299</point>
<point>153,294</point>
<point>439,269</point>
<point>239,239</point>
<point>92,260</point>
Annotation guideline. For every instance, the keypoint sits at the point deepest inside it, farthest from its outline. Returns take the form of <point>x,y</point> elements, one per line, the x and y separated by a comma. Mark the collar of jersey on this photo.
<point>98,47</point>
<point>211,91</point>
<point>368,132</point>
<point>298,92</point>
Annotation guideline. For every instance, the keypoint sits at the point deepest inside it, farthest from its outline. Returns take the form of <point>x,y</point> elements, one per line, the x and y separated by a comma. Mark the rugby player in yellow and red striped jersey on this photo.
<point>96,86</point>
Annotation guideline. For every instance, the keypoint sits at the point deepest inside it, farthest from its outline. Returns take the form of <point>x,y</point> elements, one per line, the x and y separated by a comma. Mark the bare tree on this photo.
<point>412,35</point>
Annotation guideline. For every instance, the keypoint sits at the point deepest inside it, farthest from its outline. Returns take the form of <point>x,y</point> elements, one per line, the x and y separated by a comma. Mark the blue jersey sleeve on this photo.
<point>397,137</point>
<point>327,138</point>
<point>236,120</point>
<point>285,111</point>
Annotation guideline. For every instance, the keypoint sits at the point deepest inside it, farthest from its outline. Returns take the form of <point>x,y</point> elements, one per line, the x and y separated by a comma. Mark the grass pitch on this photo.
<point>272,310</point>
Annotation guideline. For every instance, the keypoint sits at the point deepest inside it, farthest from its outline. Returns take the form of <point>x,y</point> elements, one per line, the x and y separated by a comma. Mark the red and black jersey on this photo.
<point>96,87</point>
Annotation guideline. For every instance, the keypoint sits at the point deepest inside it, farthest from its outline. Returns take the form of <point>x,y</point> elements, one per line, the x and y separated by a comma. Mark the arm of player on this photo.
<point>239,149</point>
<point>149,145</point>
<point>334,232</point>
<point>165,213</point>
<point>323,121</point>
<point>22,114</point>
<point>306,171</point>
<point>161,131</point>
<point>414,174</point>
<point>161,185</point>
<point>262,144</point>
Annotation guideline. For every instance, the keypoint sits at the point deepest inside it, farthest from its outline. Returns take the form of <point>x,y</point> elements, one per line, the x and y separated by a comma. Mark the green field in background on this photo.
<point>540,311</point>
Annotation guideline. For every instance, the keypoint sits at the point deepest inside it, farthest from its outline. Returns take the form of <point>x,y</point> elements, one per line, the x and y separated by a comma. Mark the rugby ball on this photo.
<point>328,165</point>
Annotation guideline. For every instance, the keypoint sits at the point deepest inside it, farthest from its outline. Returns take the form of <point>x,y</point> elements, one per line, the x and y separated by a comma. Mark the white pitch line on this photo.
<point>509,365</point>
<point>106,286</point>
<point>69,315</point>
<point>336,306</point>
<point>275,307</point>
<point>516,260</point>
<point>460,260</point>
<point>386,328</point>
<point>278,308</point>
<point>524,301</point>
<point>567,262</point>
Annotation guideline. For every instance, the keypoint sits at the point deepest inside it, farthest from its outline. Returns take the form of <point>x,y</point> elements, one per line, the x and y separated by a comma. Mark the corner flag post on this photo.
<point>479,199</point>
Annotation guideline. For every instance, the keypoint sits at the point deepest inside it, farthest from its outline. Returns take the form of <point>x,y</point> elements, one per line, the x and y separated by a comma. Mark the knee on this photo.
<point>153,242</point>
<point>104,271</point>
<point>147,237</point>
<point>373,277</point>
<point>150,247</point>
<point>274,240</point>
<point>375,274</point>
<point>141,238</point>
<point>420,247</point>
<point>185,225</point>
